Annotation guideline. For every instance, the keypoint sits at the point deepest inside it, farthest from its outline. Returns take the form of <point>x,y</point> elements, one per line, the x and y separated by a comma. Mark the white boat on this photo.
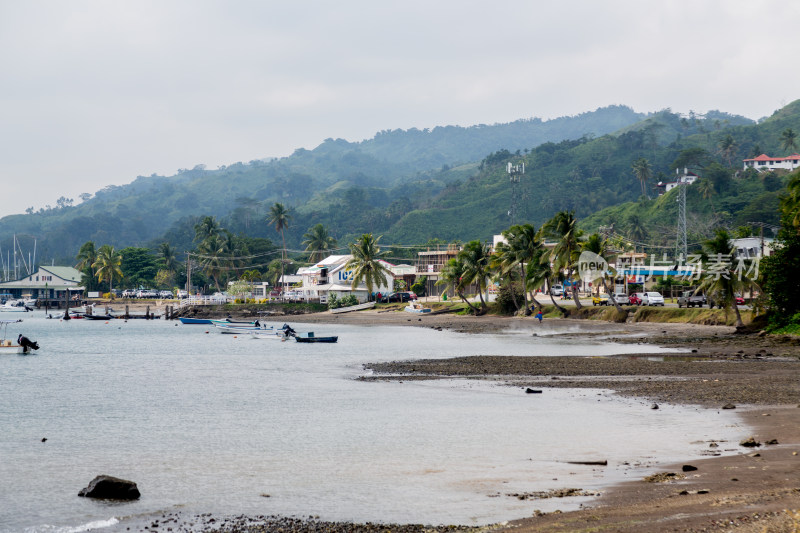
<point>243,330</point>
<point>14,306</point>
<point>7,345</point>
<point>415,307</point>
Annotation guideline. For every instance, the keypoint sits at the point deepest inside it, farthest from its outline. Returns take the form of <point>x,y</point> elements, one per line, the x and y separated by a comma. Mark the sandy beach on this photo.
<point>757,489</point>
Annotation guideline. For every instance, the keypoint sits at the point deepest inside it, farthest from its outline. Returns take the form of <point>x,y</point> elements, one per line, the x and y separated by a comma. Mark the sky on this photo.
<point>96,93</point>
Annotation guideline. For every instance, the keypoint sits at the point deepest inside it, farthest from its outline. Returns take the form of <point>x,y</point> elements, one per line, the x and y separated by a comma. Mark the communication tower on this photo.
<point>515,172</point>
<point>681,248</point>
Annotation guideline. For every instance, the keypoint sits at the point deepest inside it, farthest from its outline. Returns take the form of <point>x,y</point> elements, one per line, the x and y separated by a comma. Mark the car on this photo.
<point>398,297</point>
<point>652,298</point>
<point>600,299</point>
<point>739,300</point>
<point>129,293</point>
<point>165,294</point>
<point>635,298</point>
<point>183,293</point>
<point>690,299</point>
<point>622,299</point>
<point>557,290</point>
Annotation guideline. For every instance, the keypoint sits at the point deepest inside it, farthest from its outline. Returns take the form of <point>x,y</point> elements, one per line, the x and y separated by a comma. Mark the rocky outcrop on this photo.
<point>111,488</point>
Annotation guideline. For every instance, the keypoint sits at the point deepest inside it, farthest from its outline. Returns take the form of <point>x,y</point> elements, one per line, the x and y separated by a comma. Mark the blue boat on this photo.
<point>185,320</point>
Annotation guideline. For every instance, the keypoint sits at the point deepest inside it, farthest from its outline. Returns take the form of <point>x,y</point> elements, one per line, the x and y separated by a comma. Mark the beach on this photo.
<point>756,489</point>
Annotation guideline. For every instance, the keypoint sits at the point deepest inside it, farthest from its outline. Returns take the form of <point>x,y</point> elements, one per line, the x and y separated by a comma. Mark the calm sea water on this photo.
<point>205,422</point>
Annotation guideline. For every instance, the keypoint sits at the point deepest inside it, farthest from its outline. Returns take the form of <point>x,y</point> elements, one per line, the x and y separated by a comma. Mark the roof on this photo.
<point>64,272</point>
<point>765,157</point>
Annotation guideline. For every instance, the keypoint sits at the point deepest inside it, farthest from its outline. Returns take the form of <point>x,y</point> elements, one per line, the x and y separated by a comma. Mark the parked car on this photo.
<point>652,298</point>
<point>557,290</point>
<point>165,294</point>
<point>739,300</point>
<point>690,299</point>
<point>129,293</point>
<point>636,298</point>
<point>600,299</point>
<point>398,297</point>
<point>183,293</point>
<point>622,299</point>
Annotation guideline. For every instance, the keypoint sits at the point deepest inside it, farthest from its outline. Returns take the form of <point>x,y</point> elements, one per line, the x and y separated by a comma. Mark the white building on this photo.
<point>687,178</point>
<point>54,283</point>
<point>765,162</point>
<point>752,247</point>
<point>329,276</point>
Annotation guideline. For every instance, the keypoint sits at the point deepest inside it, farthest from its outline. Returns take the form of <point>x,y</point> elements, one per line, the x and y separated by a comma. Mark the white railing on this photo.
<point>205,300</point>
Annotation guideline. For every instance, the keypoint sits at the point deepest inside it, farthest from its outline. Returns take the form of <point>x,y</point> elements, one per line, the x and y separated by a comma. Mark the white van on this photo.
<point>557,290</point>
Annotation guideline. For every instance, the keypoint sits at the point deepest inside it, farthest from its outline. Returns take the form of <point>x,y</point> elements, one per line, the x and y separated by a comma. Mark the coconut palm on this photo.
<point>107,264</point>
<point>366,264</point>
<point>279,217</point>
<point>169,258</point>
<point>643,172</point>
<point>723,278</point>
<point>789,139</point>
<point>452,277</point>
<point>522,244</point>
<point>539,271</point>
<point>727,148</point>
<point>213,255</point>
<point>564,227</point>
<point>86,257</point>
<point>475,256</point>
<point>206,228</point>
<point>600,245</point>
<point>318,242</point>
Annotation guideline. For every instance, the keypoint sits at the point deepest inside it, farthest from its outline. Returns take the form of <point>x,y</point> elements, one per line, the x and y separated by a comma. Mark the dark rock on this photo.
<point>689,468</point>
<point>654,406</point>
<point>750,442</point>
<point>44,439</point>
<point>110,488</point>
<point>729,406</point>
<point>532,391</point>
<point>772,441</point>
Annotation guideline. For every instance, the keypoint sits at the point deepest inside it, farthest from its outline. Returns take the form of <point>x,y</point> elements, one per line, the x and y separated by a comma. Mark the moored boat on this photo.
<point>7,345</point>
<point>310,337</point>
<point>187,320</point>
<point>415,307</point>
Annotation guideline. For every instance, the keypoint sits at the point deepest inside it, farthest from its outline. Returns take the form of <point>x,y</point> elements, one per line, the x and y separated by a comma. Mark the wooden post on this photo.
<point>127,313</point>
<point>147,313</point>
<point>89,309</point>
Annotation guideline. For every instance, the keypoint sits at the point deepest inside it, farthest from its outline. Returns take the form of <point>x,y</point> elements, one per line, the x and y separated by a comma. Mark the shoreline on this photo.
<point>757,375</point>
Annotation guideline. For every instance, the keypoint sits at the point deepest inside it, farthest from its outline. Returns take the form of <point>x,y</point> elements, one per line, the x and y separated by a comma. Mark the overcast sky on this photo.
<point>94,93</point>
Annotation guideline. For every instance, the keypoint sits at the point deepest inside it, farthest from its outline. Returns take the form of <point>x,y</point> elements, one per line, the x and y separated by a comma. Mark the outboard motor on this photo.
<point>288,331</point>
<point>27,344</point>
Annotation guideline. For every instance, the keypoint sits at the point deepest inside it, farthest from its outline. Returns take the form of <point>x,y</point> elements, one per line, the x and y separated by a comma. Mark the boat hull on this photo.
<point>317,339</point>
<point>185,320</point>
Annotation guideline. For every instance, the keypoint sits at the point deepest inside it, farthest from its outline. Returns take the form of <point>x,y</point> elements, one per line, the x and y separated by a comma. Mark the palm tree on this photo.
<point>206,228</point>
<point>86,257</point>
<point>599,245</point>
<point>213,254</point>
<point>107,265</point>
<point>789,140</point>
<point>522,245</point>
<point>475,256</point>
<point>564,227</point>
<point>636,229</point>
<point>643,172</point>
<point>540,270</point>
<point>279,217</point>
<point>452,276</point>
<point>727,148</point>
<point>318,243</point>
<point>790,204</point>
<point>722,278</point>
<point>366,264</point>
<point>169,259</point>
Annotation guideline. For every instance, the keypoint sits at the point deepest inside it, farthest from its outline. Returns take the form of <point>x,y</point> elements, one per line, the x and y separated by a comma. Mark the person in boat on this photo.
<point>288,331</point>
<point>27,344</point>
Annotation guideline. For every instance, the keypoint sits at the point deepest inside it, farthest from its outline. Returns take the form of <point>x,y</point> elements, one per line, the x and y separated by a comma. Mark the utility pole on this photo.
<point>515,172</point>
<point>188,273</point>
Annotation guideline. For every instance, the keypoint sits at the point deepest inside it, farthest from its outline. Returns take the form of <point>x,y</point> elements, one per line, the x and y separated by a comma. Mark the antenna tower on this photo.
<point>681,249</point>
<point>515,172</point>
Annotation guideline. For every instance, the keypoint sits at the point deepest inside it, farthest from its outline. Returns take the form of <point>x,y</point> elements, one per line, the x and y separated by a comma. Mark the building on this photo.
<point>53,284</point>
<point>430,263</point>
<point>765,162</point>
<point>330,276</point>
<point>752,247</point>
<point>687,178</point>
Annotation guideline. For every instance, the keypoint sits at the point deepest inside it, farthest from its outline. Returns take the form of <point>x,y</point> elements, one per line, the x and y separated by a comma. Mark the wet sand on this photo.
<point>759,376</point>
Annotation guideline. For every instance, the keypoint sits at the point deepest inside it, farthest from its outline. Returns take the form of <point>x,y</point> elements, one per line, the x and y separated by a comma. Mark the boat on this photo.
<point>231,322</point>
<point>231,329</point>
<point>187,320</point>
<point>415,307</point>
<point>14,306</point>
<point>310,337</point>
<point>98,317</point>
<point>359,307</point>
<point>7,345</point>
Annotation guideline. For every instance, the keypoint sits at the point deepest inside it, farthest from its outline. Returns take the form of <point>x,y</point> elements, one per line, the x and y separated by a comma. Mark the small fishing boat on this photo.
<point>187,320</point>
<point>231,329</point>
<point>98,317</point>
<point>14,306</point>
<point>231,322</point>
<point>415,307</point>
<point>310,337</point>
<point>7,345</point>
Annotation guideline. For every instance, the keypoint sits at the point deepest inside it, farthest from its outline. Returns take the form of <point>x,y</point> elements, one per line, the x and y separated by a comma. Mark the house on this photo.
<point>765,162</point>
<point>430,263</point>
<point>330,276</point>
<point>687,178</point>
<point>54,284</point>
<point>752,247</point>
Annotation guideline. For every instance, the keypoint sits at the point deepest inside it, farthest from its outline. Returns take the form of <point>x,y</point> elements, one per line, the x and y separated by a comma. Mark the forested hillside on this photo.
<point>354,187</point>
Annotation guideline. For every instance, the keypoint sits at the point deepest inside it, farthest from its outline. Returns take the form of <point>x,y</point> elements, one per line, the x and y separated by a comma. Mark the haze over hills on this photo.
<point>411,186</point>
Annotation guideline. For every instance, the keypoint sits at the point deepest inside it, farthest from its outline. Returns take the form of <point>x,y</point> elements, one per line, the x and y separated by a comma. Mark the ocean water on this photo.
<point>205,422</point>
